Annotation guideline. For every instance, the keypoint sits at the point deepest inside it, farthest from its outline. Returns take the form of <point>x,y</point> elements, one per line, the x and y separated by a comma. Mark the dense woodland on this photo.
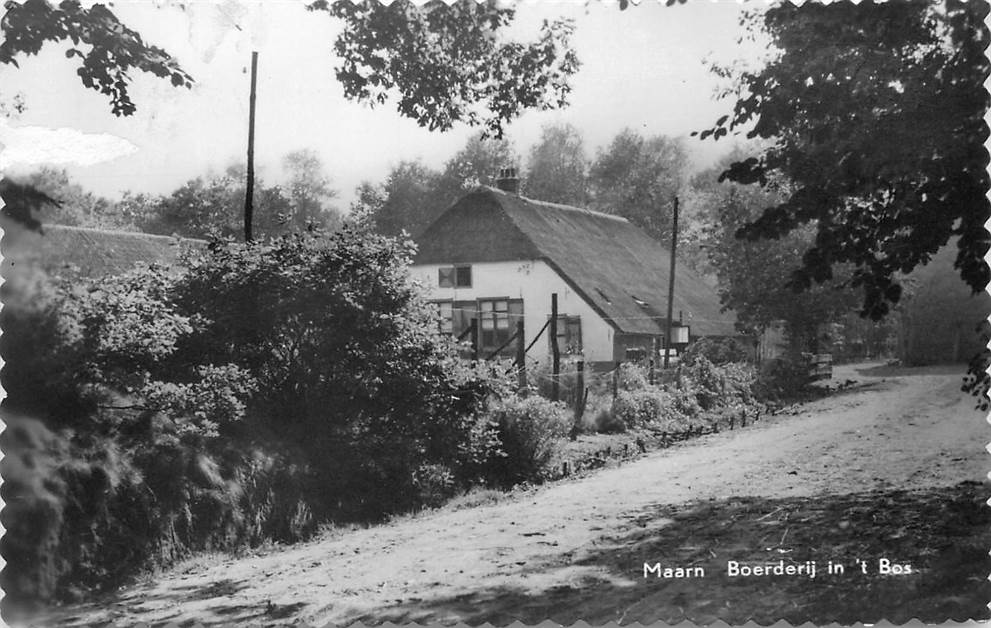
<point>265,389</point>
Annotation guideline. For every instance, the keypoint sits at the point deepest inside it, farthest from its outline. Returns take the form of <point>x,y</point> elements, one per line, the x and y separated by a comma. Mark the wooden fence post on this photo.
<point>579,398</point>
<point>555,352</point>
<point>615,380</point>
<point>521,357</point>
<point>653,361</point>
<point>473,325</point>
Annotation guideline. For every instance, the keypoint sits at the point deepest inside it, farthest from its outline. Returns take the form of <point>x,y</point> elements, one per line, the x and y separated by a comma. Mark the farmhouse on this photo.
<point>497,257</point>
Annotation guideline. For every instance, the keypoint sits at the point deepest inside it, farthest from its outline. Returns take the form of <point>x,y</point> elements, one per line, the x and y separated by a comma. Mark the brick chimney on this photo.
<point>508,181</point>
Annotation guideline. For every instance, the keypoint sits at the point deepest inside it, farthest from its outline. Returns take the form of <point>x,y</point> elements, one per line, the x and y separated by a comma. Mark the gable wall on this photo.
<point>534,282</point>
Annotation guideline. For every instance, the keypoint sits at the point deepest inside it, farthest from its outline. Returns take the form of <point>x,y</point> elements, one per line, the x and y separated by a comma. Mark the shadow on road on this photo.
<point>942,534</point>
<point>884,370</point>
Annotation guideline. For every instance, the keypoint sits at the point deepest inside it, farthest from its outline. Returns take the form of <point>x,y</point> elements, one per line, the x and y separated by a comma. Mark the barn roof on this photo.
<point>86,252</point>
<point>617,268</point>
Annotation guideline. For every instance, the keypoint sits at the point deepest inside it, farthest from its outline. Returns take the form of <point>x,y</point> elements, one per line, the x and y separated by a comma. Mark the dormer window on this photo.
<point>454,276</point>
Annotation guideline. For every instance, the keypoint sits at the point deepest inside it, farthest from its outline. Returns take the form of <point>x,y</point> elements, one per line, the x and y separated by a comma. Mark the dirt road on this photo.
<point>898,429</point>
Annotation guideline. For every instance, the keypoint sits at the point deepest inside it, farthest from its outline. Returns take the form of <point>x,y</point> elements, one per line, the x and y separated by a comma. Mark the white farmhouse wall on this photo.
<point>534,282</point>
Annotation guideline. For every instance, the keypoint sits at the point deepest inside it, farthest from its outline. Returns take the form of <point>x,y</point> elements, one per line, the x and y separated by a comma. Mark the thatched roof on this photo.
<point>617,268</point>
<point>84,252</point>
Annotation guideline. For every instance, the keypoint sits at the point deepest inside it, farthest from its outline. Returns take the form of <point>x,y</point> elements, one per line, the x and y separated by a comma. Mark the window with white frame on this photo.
<point>445,316</point>
<point>497,323</point>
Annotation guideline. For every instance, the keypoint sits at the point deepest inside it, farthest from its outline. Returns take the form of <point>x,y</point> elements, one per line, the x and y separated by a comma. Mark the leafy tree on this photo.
<point>407,201</point>
<point>638,178</point>
<point>413,195</point>
<point>207,206</point>
<point>200,208</point>
<point>108,50</point>
<point>309,191</point>
<point>874,112</point>
<point>750,273</point>
<point>445,63</point>
<point>558,166</point>
<point>478,163</point>
<point>440,61</point>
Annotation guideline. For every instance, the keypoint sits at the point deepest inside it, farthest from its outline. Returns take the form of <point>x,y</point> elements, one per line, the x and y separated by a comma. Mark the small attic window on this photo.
<point>639,301</point>
<point>604,296</point>
<point>454,276</point>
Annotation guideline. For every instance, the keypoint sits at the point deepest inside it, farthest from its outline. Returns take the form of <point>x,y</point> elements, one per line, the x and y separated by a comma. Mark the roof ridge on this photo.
<point>116,232</point>
<point>573,208</point>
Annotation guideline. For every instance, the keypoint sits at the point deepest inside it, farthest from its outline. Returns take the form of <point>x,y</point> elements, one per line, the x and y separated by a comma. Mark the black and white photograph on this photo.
<point>329,313</point>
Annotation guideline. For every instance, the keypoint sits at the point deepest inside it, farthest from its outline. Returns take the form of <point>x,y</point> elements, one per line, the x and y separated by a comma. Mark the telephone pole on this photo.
<point>249,191</point>
<point>674,246</point>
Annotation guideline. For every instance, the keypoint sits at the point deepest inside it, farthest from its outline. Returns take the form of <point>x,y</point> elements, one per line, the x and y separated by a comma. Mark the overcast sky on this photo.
<point>642,68</point>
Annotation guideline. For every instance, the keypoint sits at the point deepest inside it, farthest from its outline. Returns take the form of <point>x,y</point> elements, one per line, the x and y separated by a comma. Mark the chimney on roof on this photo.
<point>508,181</point>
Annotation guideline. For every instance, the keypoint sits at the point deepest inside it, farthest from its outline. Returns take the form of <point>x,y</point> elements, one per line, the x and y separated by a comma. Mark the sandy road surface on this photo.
<point>902,428</point>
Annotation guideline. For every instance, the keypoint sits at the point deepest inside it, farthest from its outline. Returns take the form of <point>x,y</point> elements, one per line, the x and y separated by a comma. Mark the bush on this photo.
<point>160,398</point>
<point>705,381</point>
<point>718,351</point>
<point>599,416</point>
<point>633,376</point>
<point>686,403</point>
<point>347,359</point>
<point>529,430</point>
<point>714,386</point>
<point>782,378</point>
<point>641,408</point>
<point>540,381</point>
<point>740,379</point>
<point>435,484</point>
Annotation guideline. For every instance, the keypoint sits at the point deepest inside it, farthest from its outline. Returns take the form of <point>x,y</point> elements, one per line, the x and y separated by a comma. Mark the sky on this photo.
<point>642,68</point>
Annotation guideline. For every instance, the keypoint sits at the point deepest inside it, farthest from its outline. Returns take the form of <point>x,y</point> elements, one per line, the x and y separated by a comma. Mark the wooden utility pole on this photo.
<point>674,246</point>
<point>555,353</point>
<point>250,189</point>
<point>474,339</point>
<point>521,356</point>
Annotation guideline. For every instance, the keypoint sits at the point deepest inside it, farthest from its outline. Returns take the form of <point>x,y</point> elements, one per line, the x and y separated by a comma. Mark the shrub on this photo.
<point>529,430</point>
<point>718,351</point>
<point>347,359</point>
<point>705,381</point>
<point>606,422</point>
<point>782,378</point>
<point>686,403</point>
<point>740,379</point>
<point>633,376</point>
<point>649,406</point>
<point>717,386</point>
<point>161,398</point>
<point>435,484</point>
<point>599,416</point>
<point>540,381</point>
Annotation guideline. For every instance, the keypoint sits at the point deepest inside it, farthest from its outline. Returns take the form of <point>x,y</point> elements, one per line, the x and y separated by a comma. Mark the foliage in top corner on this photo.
<point>447,64</point>
<point>874,112</point>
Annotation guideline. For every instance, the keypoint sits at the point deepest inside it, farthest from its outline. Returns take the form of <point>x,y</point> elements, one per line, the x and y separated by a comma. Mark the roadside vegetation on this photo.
<point>265,389</point>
